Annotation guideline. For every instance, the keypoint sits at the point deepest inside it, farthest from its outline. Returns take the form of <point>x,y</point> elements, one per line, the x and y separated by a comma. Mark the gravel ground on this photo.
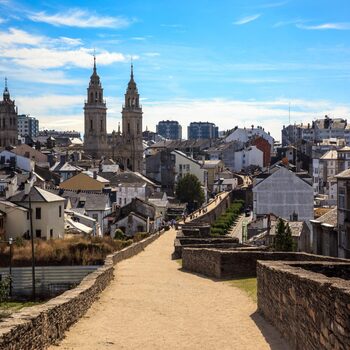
<point>153,304</point>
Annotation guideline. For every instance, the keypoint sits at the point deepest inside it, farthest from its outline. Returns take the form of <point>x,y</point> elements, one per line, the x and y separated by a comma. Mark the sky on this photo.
<point>230,62</point>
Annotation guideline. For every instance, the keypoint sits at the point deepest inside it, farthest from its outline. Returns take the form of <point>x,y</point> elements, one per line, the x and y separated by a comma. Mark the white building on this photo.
<point>16,221</point>
<point>47,209</point>
<point>250,156</point>
<point>8,158</point>
<point>245,134</point>
<point>185,165</point>
<point>284,194</point>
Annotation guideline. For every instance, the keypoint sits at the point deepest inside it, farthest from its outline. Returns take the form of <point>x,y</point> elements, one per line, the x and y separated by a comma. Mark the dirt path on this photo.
<point>152,304</point>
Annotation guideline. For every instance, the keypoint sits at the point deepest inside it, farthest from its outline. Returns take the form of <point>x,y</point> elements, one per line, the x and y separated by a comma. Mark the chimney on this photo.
<point>27,187</point>
<point>95,174</point>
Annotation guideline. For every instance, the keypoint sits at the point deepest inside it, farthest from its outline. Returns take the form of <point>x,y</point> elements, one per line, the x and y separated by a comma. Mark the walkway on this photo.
<point>152,304</point>
<point>236,231</point>
<point>212,204</point>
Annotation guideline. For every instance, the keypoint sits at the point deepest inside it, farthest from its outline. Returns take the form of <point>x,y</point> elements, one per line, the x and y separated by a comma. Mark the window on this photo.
<point>124,200</point>
<point>60,211</point>
<point>128,128</point>
<point>38,233</point>
<point>38,213</point>
<point>91,125</point>
<point>341,198</point>
<point>95,216</point>
<point>120,201</point>
<point>51,233</point>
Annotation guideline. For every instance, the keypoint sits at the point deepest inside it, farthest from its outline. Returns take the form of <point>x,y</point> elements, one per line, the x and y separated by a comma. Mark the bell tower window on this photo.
<point>128,128</point>
<point>101,125</point>
<point>91,125</point>
<point>91,97</point>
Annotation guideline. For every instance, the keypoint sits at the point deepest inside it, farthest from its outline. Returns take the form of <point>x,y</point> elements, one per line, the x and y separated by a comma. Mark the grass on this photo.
<point>179,261</point>
<point>9,307</point>
<point>248,285</point>
<point>74,251</point>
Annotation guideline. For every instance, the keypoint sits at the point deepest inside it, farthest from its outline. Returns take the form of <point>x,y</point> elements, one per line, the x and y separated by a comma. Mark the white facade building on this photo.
<point>186,165</point>
<point>9,158</point>
<point>284,194</point>
<point>244,134</point>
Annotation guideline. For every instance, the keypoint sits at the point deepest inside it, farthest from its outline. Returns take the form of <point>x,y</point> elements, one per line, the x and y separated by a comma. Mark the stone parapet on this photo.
<point>311,310</point>
<point>37,327</point>
<point>237,262</point>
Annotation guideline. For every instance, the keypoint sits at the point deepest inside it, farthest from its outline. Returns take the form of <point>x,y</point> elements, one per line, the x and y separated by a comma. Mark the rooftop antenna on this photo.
<point>5,83</point>
<point>289,113</point>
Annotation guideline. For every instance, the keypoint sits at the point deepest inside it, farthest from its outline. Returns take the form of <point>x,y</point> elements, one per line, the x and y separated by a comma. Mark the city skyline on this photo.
<point>230,64</point>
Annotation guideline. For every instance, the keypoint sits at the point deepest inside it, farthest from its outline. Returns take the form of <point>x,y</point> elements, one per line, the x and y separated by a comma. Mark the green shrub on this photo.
<point>5,286</point>
<point>119,234</point>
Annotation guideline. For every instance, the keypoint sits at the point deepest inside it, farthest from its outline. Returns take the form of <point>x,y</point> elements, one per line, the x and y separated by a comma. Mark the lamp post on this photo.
<point>11,245</point>
<point>32,243</point>
<point>10,242</point>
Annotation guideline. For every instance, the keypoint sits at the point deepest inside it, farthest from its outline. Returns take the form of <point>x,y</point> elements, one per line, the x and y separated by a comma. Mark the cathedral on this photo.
<point>125,147</point>
<point>8,120</point>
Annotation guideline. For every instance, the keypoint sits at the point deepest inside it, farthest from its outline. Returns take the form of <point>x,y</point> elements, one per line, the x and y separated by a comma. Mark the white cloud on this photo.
<point>16,36</point>
<point>151,54</point>
<point>80,18</point>
<point>2,20</point>
<point>40,52</point>
<point>273,4</point>
<point>70,41</point>
<point>326,26</point>
<point>247,19</point>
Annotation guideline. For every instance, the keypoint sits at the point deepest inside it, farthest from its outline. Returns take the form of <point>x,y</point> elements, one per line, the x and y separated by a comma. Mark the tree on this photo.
<point>283,240</point>
<point>189,190</point>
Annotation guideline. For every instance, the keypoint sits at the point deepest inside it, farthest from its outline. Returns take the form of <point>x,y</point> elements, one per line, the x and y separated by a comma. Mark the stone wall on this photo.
<point>236,263</point>
<point>37,327</point>
<point>311,310</point>
<point>211,215</point>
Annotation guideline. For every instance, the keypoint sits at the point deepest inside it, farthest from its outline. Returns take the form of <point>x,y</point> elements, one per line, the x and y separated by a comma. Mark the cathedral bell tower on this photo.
<point>8,120</point>
<point>132,127</point>
<point>95,112</point>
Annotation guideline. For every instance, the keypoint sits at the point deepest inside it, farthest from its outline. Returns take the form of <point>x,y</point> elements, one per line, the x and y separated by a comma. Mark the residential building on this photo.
<point>65,170</point>
<point>264,146</point>
<point>8,120</point>
<point>343,213</point>
<point>202,130</point>
<point>129,185</point>
<point>11,160</point>
<point>317,131</point>
<point>325,234</point>
<point>160,167</point>
<point>47,209</point>
<point>186,165</point>
<point>213,167</point>
<point>15,221</point>
<point>85,181</point>
<point>27,126</point>
<point>93,204</point>
<point>170,129</point>
<point>285,194</point>
<point>343,158</point>
<point>137,216</point>
<point>27,151</point>
<point>195,149</point>
<point>246,134</point>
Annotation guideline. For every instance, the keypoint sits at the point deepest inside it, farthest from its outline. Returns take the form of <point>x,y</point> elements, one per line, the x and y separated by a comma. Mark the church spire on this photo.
<point>132,70</point>
<point>6,94</point>
<point>94,62</point>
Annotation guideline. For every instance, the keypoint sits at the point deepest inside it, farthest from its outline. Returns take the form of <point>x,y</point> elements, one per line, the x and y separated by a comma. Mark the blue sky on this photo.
<point>229,62</point>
